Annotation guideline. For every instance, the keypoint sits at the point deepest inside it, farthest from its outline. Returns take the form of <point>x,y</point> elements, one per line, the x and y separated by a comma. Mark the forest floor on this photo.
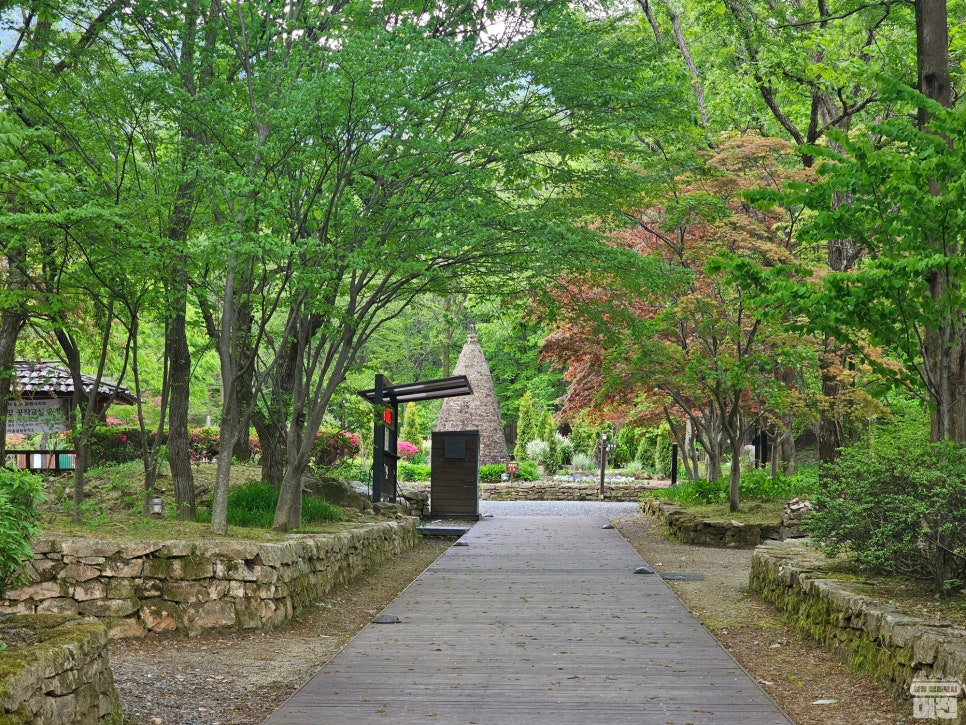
<point>240,678</point>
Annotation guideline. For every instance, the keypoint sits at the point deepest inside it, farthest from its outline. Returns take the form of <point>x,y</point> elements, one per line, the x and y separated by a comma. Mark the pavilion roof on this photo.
<point>49,380</point>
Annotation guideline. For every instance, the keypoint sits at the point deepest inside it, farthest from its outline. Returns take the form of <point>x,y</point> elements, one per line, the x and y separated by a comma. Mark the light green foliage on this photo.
<point>537,451</point>
<point>526,426</point>
<point>894,502</point>
<point>20,494</point>
<point>566,448</point>
<point>413,472</point>
<point>493,473</point>
<point>411,427</point>
<point>756,485</point>
<point>581,462</point>
<point>906,189</point>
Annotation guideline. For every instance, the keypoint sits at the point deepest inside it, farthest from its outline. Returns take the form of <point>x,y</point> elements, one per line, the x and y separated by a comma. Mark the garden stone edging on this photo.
<point>161,586</point>
<point>63,678</point>
<point>690,529</point>
<point>867,634</point>
<point>565,491</point>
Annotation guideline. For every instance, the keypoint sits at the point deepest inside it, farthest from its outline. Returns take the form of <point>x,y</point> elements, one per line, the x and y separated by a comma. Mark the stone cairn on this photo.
<point>792,517</point>
<point>479,411</point>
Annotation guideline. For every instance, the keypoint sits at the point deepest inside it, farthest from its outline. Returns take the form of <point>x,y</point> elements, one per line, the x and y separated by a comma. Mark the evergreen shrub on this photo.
<point>895,504</point>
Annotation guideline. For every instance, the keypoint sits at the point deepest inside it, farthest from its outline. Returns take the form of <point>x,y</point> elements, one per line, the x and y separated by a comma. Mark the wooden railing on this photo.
<point>39,460</point>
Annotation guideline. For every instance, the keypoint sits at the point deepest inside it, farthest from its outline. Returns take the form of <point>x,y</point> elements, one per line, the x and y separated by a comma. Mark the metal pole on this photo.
<point>674,463</point>
<point>603,462</point>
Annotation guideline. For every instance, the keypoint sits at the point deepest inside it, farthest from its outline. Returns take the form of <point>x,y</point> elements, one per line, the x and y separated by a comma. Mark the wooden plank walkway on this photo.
<point>537,620</point>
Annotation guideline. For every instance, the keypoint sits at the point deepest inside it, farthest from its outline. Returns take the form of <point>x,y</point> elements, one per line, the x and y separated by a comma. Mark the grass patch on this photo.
<point>752,512</point>
<point>112,508</point>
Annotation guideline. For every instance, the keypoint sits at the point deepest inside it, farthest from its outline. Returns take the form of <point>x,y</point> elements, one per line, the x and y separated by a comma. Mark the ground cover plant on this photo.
<point>20,495</point>
<point>755,485</point>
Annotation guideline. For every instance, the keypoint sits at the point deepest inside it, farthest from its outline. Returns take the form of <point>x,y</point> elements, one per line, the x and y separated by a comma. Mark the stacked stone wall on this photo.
<point>565,491</point>
<point>868,634</point>
<point>61,678</point>
<point>690,529</point>
<point>162,586</point>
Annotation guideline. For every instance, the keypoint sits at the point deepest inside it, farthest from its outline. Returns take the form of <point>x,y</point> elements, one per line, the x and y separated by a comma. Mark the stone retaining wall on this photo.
<point>864,632</point>
<point>566,491</point>
<point>63,678</point>
<point>161,586</point>
<point>689,529</point>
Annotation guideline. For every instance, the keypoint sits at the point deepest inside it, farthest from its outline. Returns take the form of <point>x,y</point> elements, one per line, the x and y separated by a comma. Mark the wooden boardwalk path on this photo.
<point>536,620</point>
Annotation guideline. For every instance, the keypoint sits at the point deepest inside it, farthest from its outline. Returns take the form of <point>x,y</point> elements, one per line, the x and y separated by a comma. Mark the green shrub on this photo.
<point>411,472</point>
<point>626,447</point>
<point>896,505</point>
<point>493,473</point>
<point>20,494</point>
<point>663,452</point>
<point>646,448</point>
<point>253,506</point>
<point>582,462</point>
<point>566,447</point>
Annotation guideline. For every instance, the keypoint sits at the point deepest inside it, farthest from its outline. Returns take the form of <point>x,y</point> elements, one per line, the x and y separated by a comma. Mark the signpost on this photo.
<point>26,417</point>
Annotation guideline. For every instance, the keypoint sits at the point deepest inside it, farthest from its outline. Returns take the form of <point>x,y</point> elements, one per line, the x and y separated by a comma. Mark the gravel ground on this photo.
<point>240,678</point>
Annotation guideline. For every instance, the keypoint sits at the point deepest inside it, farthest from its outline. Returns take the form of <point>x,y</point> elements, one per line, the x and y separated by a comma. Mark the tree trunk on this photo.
<point>270,421</point>
<point>945,347</point>
<point>10,326</point>
<point>831,433</point>
<point>179,447</point>
<point>734,477</point>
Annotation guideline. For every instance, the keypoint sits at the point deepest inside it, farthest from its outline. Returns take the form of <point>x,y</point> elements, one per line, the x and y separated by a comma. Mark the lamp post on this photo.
<point>603,463</point>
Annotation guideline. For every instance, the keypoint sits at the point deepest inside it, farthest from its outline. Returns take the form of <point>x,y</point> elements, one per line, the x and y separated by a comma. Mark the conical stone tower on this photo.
<point>478,411</point>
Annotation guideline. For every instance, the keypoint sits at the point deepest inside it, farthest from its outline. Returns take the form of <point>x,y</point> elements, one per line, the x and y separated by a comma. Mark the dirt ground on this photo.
<point>241,678</point>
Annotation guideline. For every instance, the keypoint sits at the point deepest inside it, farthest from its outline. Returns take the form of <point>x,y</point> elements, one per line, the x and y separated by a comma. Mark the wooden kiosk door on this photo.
<point>455,479</point>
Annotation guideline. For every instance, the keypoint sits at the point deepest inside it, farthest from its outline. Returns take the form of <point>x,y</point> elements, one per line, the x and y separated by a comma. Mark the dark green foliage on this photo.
<point>253,505</point>
<point>626,447</point>
<point>413,471</point>
<point>493,473</point>
<point>20,494</point>
<point>663,453</point>
<point>647,448</point>
<point>553,459</point>
<point>584,438</point>
<point>896,504</point>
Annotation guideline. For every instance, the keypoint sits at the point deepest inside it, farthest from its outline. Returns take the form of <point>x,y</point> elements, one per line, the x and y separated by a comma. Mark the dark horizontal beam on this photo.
<point>425,390</point>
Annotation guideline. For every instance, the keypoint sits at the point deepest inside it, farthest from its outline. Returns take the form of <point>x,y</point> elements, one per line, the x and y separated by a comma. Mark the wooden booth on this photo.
<point>386,399</point>
<point>455,481</point>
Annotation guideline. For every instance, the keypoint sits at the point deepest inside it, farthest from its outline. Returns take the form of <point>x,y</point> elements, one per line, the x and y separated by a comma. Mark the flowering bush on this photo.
<point>405,449</point>
<point>332,446</point>
<point>115,444</point>
<point>203,444</point>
